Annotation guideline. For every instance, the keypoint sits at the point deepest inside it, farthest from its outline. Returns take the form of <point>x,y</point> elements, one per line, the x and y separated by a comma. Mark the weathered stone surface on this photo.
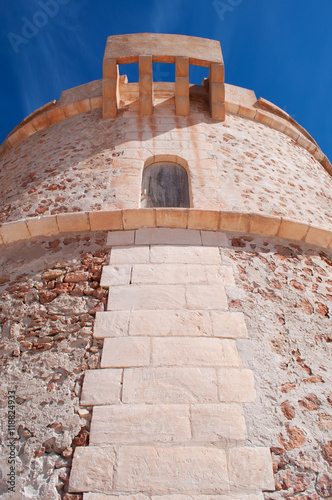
<point>231,325</point>
<point>181,274</point>
<point>146,297</point>
<point>167,236</point>
<point>172,470</point>
<point>100,496</point>
<point>115,275</point>
<point>236,384</point>
<point>212,422</point>
<point>92,469</point>
<point>140,423</point>
<point>169,385</point>
<point>119,238</point>
<point>129,255</point>
<point>125,352</point>
<point>101,387</point>
<point>213,238</point>
<point>194,352</point>
<point>229,496</point>
<point>170,322</point>
<point>206,297</point>
<point>251,468</point>
<point>111,324</point>
<point>184,255</point>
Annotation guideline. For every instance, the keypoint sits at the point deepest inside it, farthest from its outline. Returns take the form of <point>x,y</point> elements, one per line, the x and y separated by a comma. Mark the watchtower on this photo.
<point>214,209</point>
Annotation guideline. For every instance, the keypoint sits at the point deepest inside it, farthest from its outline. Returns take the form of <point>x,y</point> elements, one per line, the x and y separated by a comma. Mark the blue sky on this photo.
<point>281,49</point>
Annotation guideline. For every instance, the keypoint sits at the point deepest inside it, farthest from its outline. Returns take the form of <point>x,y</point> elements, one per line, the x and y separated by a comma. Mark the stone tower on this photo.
<point>166,292</point>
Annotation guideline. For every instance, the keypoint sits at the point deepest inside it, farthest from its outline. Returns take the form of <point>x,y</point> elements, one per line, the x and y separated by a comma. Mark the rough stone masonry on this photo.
<point>164,353</point>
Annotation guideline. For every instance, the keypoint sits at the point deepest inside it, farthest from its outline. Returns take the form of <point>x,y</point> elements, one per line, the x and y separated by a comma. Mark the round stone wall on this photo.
<point>85,163</point>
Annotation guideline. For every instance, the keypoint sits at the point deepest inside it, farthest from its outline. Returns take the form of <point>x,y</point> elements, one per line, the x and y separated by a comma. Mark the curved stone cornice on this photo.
<point>130,219</point>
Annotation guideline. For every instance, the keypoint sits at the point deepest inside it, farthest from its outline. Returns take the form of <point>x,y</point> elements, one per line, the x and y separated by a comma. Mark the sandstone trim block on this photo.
<point>251,468</point>
<point>143,423</point>
<point>189,351</point>
<point>101,387</point>
<point>172,470</point>
<point>92,469</point>
<point>170,385</point>
<point>123,352</point>
<point>111,324</point>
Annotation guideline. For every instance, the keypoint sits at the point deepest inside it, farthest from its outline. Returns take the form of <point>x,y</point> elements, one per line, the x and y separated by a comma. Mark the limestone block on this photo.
<point>214,422</point>
<point>181,274</point>
<point>264,117</point>
<point>110,108</point>
<point>120,238</point>
<point>40,122</point>
<point>100,496</point>
<point>189,351</point>
<point>203,219</point>
<point>217,72</point>
<point>131,297</point>
<point>229,496</point>
<point>105,220</point>
<point>247,112</point>
<point>166,236</point>
<point>14,231</point>
<point>251,468</point>
<point>83,105</point>
<point>292,230</point>
<point>171,217</point>
<point>217,92</point>
<point>170,385</point>
<point>233,221</point>
<point>70,109</point>
<point>214,238</point>
<point>236,385</point>
<point>278,124</point>
<point>232,107</point>
<point>206,297</point>
<point>145,85</point>
<point>92,469</point>
<point>176,323</point>
<point>129,255</point>
<point>43,226</point>
<point>229,325</point>
<point>261,224</point>
<point>27,129</point>
<point>184,255</point>
<point>119,352</point>
<point>115,275</point>
<point>172,470</point>
<point>140,424</point>
<point>318,236</point>
<point>182,103</point>
<point>134,219</point>
<point>73,222</point>
<point>292,132</point>
<point>111,324</point>
<point>56,115</point>
<point>222,275</point>
<point>96,102</point>
<point>218,110</point>
<point>101,387</point>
